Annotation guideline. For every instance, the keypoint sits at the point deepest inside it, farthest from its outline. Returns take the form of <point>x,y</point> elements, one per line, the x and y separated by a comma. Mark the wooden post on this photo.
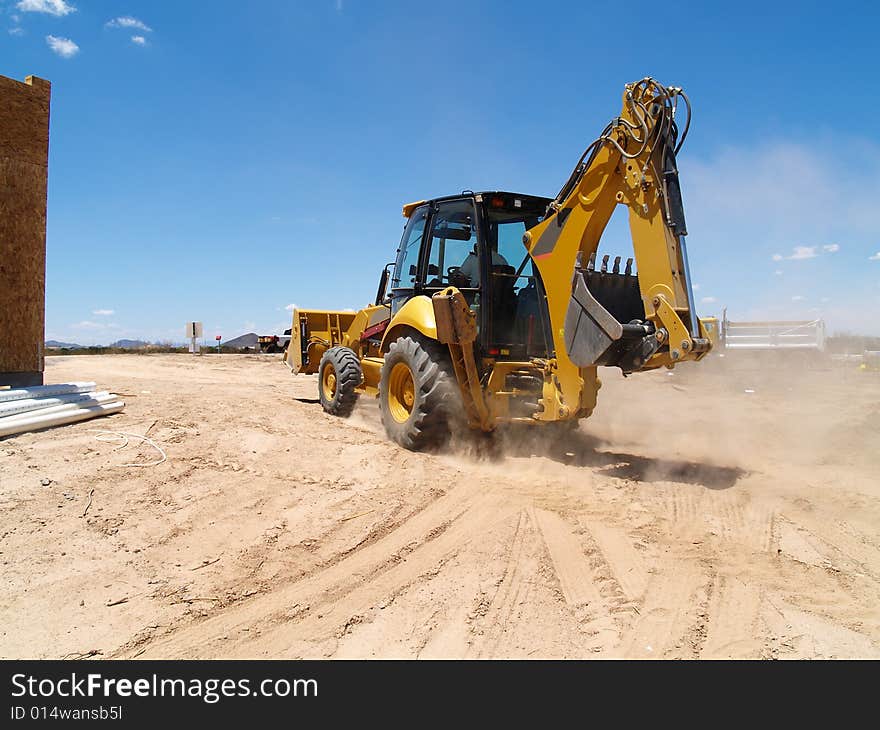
<point>24,164</point>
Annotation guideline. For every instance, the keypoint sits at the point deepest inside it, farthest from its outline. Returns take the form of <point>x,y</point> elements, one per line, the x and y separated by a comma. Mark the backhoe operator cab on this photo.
<point>495,309</point>
<point>474,242</point>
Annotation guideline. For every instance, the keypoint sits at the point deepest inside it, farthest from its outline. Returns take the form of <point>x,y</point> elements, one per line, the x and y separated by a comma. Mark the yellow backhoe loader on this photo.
<point>495,308</point>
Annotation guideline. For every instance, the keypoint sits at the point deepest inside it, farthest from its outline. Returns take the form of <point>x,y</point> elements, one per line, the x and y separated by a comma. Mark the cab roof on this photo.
<point>529,200</point>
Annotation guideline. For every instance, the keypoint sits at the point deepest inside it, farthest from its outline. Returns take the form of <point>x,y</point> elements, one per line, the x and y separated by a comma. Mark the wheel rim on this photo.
<point>328,382</point>
<point>401,392</point>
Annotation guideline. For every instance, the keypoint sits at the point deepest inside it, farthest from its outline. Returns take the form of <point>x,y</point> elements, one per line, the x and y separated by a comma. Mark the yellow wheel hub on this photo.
<point>401,392</point>
<point>328,382</point>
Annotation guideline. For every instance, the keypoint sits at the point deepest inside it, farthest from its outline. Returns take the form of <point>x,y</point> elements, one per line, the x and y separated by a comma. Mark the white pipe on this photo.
<point>97,399</point>
<point>33,404</point>
<point>39,391</point>
<point>37,421</point>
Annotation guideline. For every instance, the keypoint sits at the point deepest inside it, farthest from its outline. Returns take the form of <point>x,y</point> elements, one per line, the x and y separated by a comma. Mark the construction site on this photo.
<point>275,530</point>
<point>532,443</point>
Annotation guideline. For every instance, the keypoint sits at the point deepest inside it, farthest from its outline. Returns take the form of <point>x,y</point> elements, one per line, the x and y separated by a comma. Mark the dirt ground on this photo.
<point>718,511</point>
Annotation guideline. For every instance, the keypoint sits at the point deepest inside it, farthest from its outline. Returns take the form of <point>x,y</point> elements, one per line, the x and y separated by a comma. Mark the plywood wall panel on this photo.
<point>24,152</point>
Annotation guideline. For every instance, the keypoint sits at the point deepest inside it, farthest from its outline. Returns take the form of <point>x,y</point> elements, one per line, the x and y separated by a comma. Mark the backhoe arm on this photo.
<point>608,317</point>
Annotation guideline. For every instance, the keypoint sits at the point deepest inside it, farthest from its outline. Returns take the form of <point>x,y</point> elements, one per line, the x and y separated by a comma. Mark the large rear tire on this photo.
<point>339,373</point>
<point>417,394</point>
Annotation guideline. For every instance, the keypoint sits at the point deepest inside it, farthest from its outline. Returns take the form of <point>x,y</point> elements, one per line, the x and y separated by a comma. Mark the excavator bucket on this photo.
<point>590,329</point>
<point>604,323</point>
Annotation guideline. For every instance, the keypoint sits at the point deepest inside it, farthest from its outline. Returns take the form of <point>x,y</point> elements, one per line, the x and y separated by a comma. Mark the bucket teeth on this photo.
<point>605,263</point>
<point>591,266</point>
<point>616,268</point>
<point>629,267</point>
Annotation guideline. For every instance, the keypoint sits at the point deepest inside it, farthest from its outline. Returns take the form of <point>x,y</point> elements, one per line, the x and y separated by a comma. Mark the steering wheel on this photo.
<point>456,278</point>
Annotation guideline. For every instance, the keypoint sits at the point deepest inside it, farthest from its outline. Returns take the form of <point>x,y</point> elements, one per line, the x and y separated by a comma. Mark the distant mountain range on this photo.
<point>129,344</point>
<point>122,344</point>
<point>240,342</point>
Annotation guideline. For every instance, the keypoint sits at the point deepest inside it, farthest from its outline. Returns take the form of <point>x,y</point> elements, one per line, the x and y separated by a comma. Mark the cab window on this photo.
<point>453,258</point>
<point>517,311</point>
<point>407,263</point>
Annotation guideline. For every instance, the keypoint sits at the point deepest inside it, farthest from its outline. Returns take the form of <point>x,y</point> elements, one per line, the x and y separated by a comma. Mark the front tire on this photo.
<point>339,374</point>
<point>417,394</point>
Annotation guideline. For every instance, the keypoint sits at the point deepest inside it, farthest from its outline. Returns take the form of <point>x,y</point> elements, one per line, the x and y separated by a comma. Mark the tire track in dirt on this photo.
<point>826,544</point>
<point>668,613</point>
<point>580,568</point>
<point>696,513</point>
<point>797,633</point>
<point>487,636</point>
<point>734,628</point>
<point>361,579</point>
<point>577,580</point>
<point>292,639</point>
<point>626,564</point>
<point>738,521</point>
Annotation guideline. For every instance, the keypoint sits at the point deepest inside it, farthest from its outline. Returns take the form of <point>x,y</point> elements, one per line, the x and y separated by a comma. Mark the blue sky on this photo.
<point>221,160</point>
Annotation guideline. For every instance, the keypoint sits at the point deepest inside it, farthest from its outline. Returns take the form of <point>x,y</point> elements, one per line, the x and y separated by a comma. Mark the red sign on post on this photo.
<point>218,338</point>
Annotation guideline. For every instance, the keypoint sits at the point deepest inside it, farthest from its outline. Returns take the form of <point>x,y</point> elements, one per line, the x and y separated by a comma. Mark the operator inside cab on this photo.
<point>470,267</point>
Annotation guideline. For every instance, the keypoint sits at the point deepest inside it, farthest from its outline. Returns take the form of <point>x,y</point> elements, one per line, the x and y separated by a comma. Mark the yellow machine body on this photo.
<point>632,164</point>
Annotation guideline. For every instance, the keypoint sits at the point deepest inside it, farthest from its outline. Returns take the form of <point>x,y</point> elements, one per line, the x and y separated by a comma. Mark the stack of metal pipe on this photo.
<point>44,406</point>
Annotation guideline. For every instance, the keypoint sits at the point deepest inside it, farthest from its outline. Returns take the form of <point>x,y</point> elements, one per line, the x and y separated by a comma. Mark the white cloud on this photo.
<point>103,312</point>
<point>58,8</point>
<point>875,257</point>
<point>696,287</point>
<point>290,307</point>
<point>803,252</point>
<point>708,300</point>
<point>797,298</point>
<point>139,40</point>
<point>16,31</point>
<point>64,47</point>
<point>825,300</point>
<point>798,253</point>
<point>126,21</point>
<point>831,248</point>
<point>778,272</point>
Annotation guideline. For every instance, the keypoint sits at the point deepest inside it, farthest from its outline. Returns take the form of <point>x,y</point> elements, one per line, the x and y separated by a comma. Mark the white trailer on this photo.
<point>773,335</point>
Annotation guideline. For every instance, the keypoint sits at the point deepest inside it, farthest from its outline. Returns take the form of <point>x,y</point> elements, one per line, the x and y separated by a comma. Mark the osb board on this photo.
<point>23,167</point>
<point>24,120</point>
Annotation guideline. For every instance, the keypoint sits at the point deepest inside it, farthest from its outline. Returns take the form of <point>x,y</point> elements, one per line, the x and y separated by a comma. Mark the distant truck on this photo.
<point>273,343</point>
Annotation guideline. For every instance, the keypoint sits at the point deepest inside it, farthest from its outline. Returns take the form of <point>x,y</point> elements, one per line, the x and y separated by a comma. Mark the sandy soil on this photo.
<point>688,518</point>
